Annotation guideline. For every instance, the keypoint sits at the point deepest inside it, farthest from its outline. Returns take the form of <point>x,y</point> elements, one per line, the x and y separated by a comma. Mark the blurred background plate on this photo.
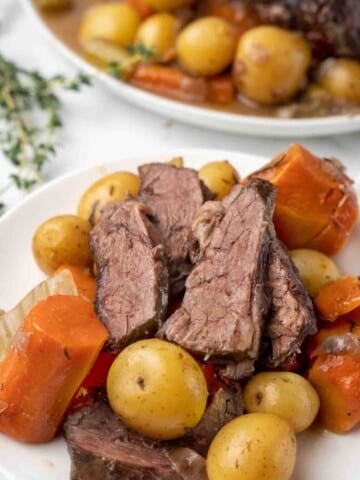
<point>197,115</point>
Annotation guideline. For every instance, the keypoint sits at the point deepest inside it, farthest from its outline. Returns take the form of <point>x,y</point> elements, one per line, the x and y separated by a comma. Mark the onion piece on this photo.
<point>60,284</point>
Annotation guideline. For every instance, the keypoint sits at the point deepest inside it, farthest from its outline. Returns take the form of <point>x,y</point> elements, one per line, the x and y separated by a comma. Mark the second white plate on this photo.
<point>197,115</point>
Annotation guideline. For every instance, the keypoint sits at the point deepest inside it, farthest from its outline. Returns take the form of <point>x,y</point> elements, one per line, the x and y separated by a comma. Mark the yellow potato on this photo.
<point>219,177</point>
<point>109,189</point>
<point>286,394</point>
<point>206,46</point>
<point>62,240</point>
<point>157,389</point>
<point>176,162</point>
<point>315,269</point>
<point>271,64</point>
<point>341,78</point>
<point>256,446</point>
<point>115,23</point>
<point>158,34</point>
<point>160,5</point>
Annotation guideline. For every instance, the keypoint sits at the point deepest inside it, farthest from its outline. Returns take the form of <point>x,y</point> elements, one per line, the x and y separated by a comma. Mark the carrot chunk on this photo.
<point>316,206</point>
<point>52,352</point>
<point>338,298</point>
<point>221,90</point>
<point>169,81</point>
<point>336,378</point>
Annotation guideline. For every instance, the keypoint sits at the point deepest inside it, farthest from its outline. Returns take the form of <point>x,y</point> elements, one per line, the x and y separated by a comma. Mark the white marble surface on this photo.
<point>99,127</point>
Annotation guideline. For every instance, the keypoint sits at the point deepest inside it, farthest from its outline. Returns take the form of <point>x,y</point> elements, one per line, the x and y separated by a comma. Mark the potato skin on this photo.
<point>158,34</point>
<point>271,64</point>
<point>315,269</point>
<point>62,240</point>
<point>256,446</point>
<point>219,177</point>
<point>206,46</point>
<point>286,394</point>
<point>109,189</point>
<point>157,389</point>
<point>115,23</point>
<point>341,78</point>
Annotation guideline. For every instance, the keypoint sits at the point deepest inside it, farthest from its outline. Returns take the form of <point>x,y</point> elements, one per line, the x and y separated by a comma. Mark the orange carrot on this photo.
<point>52,352</point>
<point>85,283</point>
<point>144,10</point>
<point>335,373</point>
<point>221,89</point>
<point>338,298</point>
<point>336,379</point>
<point>169,81</point>
<point>316,206</point>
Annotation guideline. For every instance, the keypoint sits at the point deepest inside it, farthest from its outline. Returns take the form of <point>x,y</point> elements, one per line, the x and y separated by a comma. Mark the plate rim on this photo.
<point>197,115</point>
<point>130,159</point>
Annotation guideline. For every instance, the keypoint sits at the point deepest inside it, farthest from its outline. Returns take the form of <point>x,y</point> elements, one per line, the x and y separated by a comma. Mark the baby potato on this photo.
<point>315,269</point>
<point>161,5</point>
<point>286,394</point>
<point>157,389</point>
<point>109,189</point>
<point>219,177</point>
<point>271,64</point>
<point>158,34</point>
<point>256,446</point>
<point>115,23</point>
<point>206,46</point>
<point>341,78</point>
<point>62,240</point>
<point>176,162</point>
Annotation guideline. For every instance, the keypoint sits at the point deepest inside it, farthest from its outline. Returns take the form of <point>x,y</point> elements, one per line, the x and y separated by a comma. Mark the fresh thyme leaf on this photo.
<point>29,119</point>
<point>140,49</point>
<point>114,69</point>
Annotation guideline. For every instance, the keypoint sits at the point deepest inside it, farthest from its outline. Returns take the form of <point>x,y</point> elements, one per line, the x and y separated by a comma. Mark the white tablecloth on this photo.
<point>100,127</point>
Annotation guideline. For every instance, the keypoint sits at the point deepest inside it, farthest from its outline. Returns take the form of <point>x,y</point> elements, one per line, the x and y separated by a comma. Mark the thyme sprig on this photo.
<point>29,119</point>
<point>137,53</point>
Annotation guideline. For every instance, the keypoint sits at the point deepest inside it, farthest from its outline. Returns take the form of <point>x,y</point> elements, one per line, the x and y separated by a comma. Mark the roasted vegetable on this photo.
<point>271,64</point>
<point>286,394</point>
<point>338,298</point>
<point>206,46</point>
<point>316,206</point>
<point>113,22</point>
<point>335,374</point>
<point>158,34</point>
<point>171,82</point>
<point>341,78</point>
<point>315,268</point>
<point>109,189</point>
<point>256,446</point>
<point>60,284</point>
<point>157,389</point>
<point>51,354</point>
<point>219,177</point>
<point>60,241</point>
<point>221,89</point>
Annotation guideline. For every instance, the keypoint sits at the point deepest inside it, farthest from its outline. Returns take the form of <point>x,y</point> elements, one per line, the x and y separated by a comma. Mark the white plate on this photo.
<point>322,456</point>
<point>203,117</point>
